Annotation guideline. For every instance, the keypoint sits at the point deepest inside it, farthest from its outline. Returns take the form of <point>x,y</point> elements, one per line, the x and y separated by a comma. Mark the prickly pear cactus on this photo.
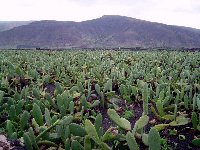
<point>132,144</point>
<point>154,139</point>
<point>9,128</point>
<point>194,120</point>
<point>37,114</point>
<point>141,123</point>
<point>24,119</point>
<point>121,122</point>
<point>110,134</point>
<point>27,141</point>
<point>76,145</point>
<point>47,117</point>
<point>77,130</point>
<point>87,143</point>
<point>91,131</point>
<point>97,88</point>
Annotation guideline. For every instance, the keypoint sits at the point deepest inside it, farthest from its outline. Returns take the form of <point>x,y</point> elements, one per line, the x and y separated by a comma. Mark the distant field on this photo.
<point>100,99</point>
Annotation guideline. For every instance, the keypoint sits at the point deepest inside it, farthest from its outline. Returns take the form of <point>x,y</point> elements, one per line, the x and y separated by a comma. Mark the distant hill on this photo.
<point>107,31</point>
<point>7,25</point>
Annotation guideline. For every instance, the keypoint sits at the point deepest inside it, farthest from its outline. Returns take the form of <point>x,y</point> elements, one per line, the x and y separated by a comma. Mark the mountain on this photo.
<point>107,31</point>
<point>7,25</point>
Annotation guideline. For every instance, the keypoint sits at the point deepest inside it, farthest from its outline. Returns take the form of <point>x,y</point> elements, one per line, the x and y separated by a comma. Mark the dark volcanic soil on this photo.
<point>173,141</point>
<point>50,88</point>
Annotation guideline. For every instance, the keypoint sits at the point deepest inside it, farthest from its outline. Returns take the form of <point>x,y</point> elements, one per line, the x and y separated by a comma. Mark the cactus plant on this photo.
<point>67,144</point>
<point>19,106</point>
<point>194,120</point>
<point>37,114</point>
<point>59,88</point>
<point>154,139</point>
<point>110,134</point>
<point>46,130</point>
<point>76,145</point>
<point>27,141</point>
<point>108,86</point>
<point>83,101</point>
<point>77,130</point>
<point>61,106</point>
<point>196,142</point>
<point>36,93</point>
<point>91,131</point>
<point>9,128</point>
<point>180,120</point>
<point>132,144</point>
<point>97,88</point>
<point>145,96</point>
<point>47,117</point>
<point>186,101</point>
<point>145,139</point>
<point>80,87</point>
<point>87,143</point>
<point>98,124</point>
<point>32,138</point>
<point>71,107</point>
<point>121,122</point>
<point>160,109</point>
<point>1,96</point>
<point>77,87</point>
<point>160,127</point>
<point>141,123</point>
<point>24,120</point>
<point>12,113</point>
<point>95,103</point>
<point>104,146</point>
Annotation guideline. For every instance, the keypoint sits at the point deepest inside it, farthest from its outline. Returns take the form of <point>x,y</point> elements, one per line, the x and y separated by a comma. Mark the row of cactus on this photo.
<point>152,139</point>
<point>82,83</point>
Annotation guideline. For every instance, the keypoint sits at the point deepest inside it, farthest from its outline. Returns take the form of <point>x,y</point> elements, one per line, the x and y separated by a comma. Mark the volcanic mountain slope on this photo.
<point>107,31</point>
<point>7,25</point>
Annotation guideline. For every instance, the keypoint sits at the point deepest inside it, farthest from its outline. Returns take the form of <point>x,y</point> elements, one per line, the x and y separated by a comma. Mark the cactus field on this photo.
<point>106,100</point>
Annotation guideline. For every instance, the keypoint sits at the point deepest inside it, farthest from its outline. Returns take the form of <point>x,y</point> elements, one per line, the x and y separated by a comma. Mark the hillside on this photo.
<point>7,25</point>
<point>107,31</point>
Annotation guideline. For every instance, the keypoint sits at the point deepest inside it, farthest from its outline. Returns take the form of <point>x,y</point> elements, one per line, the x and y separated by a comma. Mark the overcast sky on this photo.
<point>174,12</point>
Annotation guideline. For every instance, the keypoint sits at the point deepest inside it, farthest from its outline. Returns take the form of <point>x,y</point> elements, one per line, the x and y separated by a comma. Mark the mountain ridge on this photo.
<point>106,31</point>
<point>7,25</point>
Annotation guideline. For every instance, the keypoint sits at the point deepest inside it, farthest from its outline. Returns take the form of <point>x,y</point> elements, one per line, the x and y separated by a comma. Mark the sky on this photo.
<point>172,12</point>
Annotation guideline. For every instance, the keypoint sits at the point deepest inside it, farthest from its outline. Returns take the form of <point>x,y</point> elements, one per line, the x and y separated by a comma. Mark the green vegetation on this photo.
<point>100,99</point>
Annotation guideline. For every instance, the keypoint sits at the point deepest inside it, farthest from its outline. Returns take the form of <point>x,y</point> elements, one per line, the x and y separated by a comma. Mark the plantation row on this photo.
<point>100,99</point>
